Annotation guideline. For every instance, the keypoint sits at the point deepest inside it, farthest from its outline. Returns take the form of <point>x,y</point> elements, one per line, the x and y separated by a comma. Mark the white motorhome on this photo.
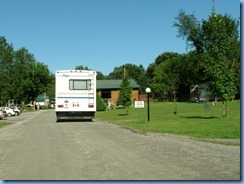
<point>75,94</point>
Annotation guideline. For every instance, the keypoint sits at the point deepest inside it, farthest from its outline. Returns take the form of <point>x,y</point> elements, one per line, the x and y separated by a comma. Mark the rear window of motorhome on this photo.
<point>75,84</point>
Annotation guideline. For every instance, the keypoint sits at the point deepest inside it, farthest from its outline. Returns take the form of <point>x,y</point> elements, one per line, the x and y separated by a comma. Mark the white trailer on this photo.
<point>75,94</point>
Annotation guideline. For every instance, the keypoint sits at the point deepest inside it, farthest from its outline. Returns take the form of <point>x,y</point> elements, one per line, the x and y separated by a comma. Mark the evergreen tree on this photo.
<point>100,104</point>
<point>125,94</point>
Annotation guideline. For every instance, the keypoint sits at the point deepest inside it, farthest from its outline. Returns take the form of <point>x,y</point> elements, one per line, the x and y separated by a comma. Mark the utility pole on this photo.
<point>213,7</point>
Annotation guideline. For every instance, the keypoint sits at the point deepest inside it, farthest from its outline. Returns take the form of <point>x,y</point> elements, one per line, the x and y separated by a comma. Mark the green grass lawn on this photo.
<point>201,120</point>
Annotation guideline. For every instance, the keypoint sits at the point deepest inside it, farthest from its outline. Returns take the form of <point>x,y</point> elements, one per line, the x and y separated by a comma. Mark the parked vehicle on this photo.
<point>17,111</point>
<point>200,93</point>
<point>2,114</point>
<point>9,111</point>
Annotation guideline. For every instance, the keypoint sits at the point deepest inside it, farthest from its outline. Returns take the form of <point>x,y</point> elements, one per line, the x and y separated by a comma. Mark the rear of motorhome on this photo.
<point>75,94</point>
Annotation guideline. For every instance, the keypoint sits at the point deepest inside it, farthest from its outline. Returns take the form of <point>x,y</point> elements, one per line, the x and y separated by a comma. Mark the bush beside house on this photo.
<point>100,104</point>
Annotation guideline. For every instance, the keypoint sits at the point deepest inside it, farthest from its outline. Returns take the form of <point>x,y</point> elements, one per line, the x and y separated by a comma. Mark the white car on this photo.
<point>16,110</point>
<point>9,111</point>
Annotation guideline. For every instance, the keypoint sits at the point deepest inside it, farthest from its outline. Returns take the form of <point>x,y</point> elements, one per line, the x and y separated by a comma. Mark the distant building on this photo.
<point>109,89</point>
<point>42,100</point>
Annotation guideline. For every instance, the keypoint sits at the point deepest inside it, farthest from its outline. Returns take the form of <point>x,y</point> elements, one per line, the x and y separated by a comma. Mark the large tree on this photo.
<point>30,78</point>
<point>175,74</point>
<point>216,40</point>
<point>163,75</point>
<point>166,78</point>
<point>222,54</point>
<point>21,77</point>
<point>6,60</point>
<point>189,28</point>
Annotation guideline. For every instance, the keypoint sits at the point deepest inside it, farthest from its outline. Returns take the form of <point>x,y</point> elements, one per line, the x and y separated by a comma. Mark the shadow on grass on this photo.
<point>123,114</point>
<point>198,117</point>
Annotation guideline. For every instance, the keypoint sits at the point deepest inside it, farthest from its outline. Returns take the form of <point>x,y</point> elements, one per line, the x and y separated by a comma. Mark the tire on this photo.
<point>9,115</point>
<point>16,113</point>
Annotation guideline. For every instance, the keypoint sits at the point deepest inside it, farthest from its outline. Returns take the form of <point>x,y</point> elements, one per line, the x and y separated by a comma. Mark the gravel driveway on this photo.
<point>35,147</point>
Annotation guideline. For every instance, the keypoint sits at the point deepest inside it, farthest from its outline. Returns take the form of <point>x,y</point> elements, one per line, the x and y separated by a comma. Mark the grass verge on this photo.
<point>3,124</point>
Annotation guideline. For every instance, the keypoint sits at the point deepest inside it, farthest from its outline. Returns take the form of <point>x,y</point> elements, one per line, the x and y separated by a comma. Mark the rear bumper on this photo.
<point>75,115</point>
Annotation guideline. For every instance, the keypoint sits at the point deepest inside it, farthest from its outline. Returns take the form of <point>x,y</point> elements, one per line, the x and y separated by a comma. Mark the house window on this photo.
<point>75,84</point>
<point>106,94</point>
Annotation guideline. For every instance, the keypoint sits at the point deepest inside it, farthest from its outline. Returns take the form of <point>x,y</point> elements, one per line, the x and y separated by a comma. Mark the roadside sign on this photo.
<point>139,104</point>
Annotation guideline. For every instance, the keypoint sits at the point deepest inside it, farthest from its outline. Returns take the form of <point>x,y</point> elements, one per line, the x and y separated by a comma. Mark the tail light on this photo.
<point>90,105</point>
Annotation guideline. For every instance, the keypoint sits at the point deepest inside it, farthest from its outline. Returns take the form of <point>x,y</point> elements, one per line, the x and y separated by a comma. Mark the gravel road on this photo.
<point>35,147</point>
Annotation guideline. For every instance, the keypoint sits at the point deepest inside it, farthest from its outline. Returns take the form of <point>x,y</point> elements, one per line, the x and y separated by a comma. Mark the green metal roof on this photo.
<point>114,84</point>
<point>40,98</point>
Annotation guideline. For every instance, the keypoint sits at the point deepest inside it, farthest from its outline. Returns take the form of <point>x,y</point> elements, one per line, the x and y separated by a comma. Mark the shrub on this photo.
<point>44,107</point>
<point>100,104</point>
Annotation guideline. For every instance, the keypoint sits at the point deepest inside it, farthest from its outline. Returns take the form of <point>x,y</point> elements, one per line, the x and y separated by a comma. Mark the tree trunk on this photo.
<point>224,108</point>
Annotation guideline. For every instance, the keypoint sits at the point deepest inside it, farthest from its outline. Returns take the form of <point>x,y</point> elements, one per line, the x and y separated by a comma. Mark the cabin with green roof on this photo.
<point>109,89</point>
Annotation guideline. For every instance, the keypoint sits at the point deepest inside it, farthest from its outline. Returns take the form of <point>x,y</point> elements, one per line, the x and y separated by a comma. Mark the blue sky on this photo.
<point>100,34</point>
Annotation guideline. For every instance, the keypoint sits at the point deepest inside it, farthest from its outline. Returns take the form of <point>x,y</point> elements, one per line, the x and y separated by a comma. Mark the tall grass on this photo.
<point>202,120</point>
